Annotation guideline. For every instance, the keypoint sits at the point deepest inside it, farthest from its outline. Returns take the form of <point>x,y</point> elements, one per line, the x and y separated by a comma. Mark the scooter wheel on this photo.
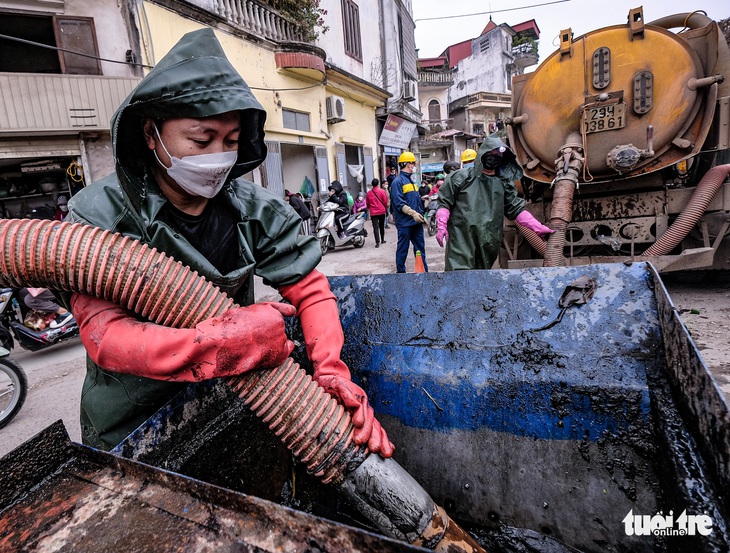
<point>324,244</point>
<point>432,228</point>
<point>13,389</point>
<point>6,342</point>
<point>358,241</point>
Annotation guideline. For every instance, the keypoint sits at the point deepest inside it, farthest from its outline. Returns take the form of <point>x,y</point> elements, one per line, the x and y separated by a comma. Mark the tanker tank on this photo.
<point>634,166</point>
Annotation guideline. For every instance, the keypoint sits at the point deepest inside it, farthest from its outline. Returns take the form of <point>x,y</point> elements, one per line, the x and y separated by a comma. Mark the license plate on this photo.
<point>604,118</point>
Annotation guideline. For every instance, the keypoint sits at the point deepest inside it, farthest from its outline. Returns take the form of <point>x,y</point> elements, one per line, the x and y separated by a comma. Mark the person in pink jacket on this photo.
<point>377,201</point>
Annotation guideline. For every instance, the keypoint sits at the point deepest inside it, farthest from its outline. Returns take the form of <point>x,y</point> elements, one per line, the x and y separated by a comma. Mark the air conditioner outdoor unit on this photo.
<point>335,109</point>
<point>409,90</point>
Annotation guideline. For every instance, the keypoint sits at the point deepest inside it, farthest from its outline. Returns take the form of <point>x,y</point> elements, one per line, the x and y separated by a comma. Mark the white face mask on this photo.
<point>200,175</point>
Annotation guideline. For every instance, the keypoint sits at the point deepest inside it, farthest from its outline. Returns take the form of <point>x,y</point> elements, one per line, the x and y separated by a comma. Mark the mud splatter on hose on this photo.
<point>317,429</point>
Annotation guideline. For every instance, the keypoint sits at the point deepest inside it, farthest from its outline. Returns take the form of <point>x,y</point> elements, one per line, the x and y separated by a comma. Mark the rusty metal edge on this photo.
<point>702,405</point>
<point>46,454</point>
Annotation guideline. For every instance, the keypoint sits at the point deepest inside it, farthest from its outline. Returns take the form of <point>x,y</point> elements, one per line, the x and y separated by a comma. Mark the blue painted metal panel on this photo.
<point>562,430</point>
<point>443,351</point>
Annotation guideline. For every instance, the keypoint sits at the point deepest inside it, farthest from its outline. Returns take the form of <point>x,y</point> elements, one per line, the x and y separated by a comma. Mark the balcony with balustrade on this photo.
<point>481,100</point>
<point>525,54</point>
<point>266,19</point>
<point>258,18</point>
<point>524,44</point>
<point>436,79</point>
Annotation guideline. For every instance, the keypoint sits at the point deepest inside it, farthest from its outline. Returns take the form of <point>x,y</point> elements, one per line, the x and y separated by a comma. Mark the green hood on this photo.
<point>509,170</point>
<point>194,79</point>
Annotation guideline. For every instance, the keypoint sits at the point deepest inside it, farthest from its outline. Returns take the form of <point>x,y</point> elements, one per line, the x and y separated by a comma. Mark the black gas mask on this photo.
<point>492,160</point>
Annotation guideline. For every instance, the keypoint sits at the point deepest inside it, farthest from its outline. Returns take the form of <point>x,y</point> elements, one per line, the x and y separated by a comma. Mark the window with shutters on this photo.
<point>434,111</point>
<point>351,29</point>
<point>296,120</point>
<point>48,44</point>
<point>485,44</point>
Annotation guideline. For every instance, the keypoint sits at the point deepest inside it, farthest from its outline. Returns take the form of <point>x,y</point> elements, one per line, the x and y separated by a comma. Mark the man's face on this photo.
<point>187,136</point>
<point>190,136</point>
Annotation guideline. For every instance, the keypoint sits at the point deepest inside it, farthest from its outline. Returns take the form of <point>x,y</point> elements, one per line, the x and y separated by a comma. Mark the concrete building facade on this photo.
<point>327,89</point>
<point>468,88</point>
<point>55,105</point>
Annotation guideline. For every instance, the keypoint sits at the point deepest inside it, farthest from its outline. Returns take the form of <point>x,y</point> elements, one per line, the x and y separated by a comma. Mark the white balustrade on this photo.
<point>258,19</point>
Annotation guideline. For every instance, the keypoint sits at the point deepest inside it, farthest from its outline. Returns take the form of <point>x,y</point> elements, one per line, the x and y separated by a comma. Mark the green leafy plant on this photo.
<point>519,40</point>
<point>307,14</point>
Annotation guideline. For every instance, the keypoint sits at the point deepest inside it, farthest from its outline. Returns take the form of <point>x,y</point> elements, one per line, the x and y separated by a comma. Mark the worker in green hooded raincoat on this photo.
<point>182,140</point>
<point>473,202</point>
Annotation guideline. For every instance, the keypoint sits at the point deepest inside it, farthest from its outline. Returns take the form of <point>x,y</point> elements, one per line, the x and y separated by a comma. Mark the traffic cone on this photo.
<point>419,268</point>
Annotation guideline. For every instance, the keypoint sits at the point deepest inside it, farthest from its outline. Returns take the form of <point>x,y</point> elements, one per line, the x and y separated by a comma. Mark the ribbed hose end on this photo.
<point>81,258</point>
<point>537,243</point>
<point>316,428</point>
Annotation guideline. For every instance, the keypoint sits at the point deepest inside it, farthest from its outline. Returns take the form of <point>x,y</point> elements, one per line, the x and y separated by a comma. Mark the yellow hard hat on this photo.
<point>408,157</point>
<point>468,155</point>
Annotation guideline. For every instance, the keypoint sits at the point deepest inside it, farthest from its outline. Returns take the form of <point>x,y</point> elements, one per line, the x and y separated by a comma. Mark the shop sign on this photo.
<point>397,132</point>
<point>432,167</point>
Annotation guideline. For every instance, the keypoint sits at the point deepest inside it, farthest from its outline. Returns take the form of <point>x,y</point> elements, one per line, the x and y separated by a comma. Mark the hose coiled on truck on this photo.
<point>693,211</point>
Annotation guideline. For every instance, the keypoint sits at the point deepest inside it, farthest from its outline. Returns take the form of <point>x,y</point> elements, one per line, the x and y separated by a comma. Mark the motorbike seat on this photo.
<point>350,219</point>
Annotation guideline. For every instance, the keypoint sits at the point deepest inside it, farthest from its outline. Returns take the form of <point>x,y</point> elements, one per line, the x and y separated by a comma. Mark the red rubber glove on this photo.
<point>239,340</point>
<point>317,310</point>
<point>526,219</point>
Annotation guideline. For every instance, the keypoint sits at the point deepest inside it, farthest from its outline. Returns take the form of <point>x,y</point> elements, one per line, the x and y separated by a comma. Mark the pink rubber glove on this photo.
<point>442,219</point>
<point>526,219</point>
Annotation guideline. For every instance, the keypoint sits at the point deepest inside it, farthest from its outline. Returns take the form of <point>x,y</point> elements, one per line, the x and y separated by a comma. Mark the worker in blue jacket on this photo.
<point>408,212</point>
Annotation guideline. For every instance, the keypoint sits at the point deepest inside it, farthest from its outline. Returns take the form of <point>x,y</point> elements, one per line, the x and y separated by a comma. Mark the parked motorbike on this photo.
<point>326,232</point>
<point>433,205</point>
<point>13,387</point>
<point>13,313</point>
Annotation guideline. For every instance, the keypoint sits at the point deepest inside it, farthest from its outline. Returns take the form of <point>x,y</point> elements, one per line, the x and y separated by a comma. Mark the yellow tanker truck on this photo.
<point>623,135</point>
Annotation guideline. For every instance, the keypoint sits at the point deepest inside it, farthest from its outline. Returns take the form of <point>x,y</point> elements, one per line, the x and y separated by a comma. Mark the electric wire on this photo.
<point>49,47</point>
<point>320,83</point>
<point>489,12</point>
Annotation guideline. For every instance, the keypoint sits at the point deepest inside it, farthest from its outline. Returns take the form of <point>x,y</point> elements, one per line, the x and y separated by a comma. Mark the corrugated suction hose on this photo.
<point>561,214</point>
<point>317,429</point>
<point>693,211</point>
<point>537,243</point>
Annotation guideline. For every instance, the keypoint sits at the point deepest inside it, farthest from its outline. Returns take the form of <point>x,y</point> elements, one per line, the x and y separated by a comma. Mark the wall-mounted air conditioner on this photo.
<point>409,90</point>
<point>335,109</point>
